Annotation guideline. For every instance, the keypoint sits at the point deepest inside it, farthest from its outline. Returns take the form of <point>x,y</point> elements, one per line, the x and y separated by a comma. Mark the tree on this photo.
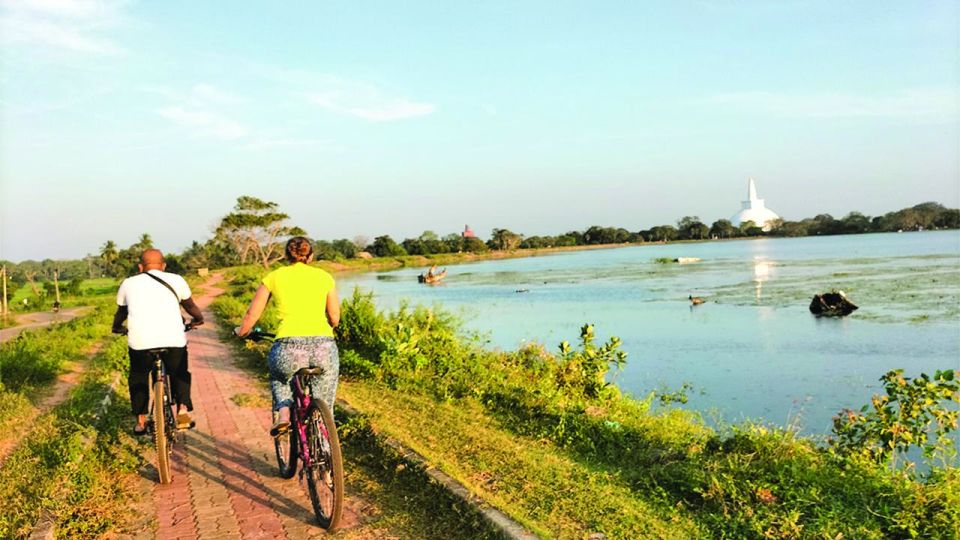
<point>256,228</point>
<point>948,219</point>
<point>691,228</point>
<point>504,240</point>
<point>474,245</point>
<point>535,242</point>
<point>825,224</point>
<point>749,228</point>
<point>110,259</point>
<point>722,228</point>
<point>661,233</point>
<point>345,248</point>
<point>323,250</point>
<point>855,223</point>
<point>454,243</point>
<point>384,246</point>
<point>144,243</point>
<point>790,228</point>
<point>415,246</point>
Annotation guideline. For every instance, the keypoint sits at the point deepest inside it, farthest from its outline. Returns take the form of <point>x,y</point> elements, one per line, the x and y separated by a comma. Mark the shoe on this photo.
<point>141,431</point>
<point>279,429</point>
<point>184,421</point>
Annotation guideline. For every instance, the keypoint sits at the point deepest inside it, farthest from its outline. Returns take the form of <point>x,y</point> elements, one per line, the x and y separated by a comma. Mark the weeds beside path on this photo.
<point>19,427</point>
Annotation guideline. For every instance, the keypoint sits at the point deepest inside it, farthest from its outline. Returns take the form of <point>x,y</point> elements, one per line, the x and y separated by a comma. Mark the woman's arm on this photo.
<point>333,308</point>
<point>254,311</point>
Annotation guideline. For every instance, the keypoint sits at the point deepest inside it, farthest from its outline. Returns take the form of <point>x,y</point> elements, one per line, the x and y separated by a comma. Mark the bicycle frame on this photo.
<point>302,401</point>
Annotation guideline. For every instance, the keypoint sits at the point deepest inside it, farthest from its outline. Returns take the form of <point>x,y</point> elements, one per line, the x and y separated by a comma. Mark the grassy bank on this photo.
<point>543,437</point>
<point>74,467</point>
<point>30,362</point>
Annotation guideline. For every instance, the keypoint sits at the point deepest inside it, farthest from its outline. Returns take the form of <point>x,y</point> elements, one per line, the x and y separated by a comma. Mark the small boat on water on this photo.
<point>432,276</point>
<point>832,304</point>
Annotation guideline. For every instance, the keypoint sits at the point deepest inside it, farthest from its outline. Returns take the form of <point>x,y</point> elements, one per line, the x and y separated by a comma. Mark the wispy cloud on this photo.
<point>365,101</point>
<point>73,25</point>
<point>919,104</point>
<point>205,123</point>
<point>212,94</point>
<point>272,143</point>
<point>200,95</point>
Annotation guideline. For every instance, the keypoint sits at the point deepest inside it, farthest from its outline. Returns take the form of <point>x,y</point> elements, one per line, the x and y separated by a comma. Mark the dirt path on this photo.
<point>225,483</point>
<point>40,318</point>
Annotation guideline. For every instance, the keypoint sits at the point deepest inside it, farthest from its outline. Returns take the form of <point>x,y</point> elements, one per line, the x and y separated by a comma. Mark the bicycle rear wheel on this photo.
<point>325,472</point>
<point>286,447</point>
<point>160,428</point>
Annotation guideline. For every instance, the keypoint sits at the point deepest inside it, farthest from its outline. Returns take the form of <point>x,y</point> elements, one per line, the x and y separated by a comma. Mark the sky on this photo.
<point>119,118</point>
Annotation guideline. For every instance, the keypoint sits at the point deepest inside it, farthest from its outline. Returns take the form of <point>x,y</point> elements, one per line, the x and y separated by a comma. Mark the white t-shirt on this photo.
<point>153,314</point>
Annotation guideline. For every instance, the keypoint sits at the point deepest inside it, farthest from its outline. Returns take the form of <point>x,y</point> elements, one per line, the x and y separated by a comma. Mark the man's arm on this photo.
<point>193,310</point>
<point>118,318</point>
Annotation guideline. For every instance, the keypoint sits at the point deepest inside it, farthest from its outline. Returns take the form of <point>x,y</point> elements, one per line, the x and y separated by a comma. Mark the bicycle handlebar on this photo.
<point>257,335</point>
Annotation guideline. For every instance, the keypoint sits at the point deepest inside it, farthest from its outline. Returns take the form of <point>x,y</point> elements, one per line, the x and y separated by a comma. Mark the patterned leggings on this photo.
<point>289,354</point>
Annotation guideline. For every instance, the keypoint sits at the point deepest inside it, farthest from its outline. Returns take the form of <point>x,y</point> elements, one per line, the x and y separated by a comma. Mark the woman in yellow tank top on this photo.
<point>309,310</point>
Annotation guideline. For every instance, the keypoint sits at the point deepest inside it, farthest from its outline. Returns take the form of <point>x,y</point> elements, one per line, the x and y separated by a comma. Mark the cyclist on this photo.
<point>309,311</point>
<point>150,302</point>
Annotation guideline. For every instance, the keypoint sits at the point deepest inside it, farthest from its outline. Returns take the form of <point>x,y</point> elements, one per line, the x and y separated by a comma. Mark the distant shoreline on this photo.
<point>377,264</point>
<point>445,259</point>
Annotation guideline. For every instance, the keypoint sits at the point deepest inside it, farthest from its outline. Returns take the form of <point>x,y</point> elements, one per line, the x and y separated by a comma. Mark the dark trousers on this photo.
<point>141,364</point>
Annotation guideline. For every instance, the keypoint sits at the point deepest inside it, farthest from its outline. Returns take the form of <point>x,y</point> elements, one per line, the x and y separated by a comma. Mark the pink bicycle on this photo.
<point>313,439</point>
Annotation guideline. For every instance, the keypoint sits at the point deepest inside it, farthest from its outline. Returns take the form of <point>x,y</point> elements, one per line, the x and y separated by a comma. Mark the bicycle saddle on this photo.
<point>309,371</point>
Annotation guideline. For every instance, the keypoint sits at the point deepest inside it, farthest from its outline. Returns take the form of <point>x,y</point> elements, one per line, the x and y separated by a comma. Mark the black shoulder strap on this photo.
<point>165,284</point>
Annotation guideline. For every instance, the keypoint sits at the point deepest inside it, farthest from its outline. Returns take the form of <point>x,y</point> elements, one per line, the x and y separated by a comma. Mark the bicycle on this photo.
<point>162,420</point>
<point>312,437</point>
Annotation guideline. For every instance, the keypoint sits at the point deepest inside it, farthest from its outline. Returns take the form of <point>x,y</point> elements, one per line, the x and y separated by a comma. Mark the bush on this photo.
<point>903,419</point>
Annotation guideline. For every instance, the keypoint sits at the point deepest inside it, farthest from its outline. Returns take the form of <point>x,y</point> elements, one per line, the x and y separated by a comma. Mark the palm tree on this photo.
<point>109,256</point>
<point>145,242</point>
<point>109,251</point>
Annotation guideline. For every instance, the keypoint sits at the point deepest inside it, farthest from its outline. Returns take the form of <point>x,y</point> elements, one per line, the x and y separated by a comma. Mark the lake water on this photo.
<point>753,350</point>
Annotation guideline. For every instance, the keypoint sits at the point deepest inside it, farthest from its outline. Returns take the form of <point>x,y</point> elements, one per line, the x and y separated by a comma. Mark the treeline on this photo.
<point>255,230</point>
<point>926,216</point>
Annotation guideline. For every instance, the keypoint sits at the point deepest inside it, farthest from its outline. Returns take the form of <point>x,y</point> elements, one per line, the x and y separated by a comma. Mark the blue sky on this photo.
<point>369,118</point>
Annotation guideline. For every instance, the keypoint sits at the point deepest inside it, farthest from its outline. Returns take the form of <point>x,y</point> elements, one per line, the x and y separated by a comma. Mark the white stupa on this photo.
<point>754,210</point>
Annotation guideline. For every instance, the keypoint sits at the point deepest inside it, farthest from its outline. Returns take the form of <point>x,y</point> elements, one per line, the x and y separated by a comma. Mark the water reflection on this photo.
<point>761,273</point>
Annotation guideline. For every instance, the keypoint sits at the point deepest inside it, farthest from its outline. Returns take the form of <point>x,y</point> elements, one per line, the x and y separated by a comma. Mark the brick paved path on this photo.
<point>225,482</point>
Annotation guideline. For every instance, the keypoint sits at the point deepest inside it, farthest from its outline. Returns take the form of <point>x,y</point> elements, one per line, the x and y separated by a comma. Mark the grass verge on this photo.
<point>73,466</point>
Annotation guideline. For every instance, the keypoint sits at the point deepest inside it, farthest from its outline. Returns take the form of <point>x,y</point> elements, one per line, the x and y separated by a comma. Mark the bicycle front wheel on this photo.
<point>325,470</point>
<point>160,432</point>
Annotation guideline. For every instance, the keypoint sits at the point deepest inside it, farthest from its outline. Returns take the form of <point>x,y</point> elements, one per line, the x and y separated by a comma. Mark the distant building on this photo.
<point>468,232</point>
<point>754,210</point>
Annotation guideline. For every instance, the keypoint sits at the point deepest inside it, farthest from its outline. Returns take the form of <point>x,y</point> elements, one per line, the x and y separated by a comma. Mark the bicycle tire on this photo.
<point>286,449</point>
<point>327,498</point>
<point>160,429</point>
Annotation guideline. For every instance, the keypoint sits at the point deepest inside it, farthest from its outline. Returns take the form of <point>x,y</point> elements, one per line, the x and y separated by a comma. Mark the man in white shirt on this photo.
<point>150,302</point>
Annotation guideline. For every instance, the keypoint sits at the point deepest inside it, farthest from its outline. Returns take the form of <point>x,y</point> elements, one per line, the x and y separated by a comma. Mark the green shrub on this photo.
<point>902,419</point>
